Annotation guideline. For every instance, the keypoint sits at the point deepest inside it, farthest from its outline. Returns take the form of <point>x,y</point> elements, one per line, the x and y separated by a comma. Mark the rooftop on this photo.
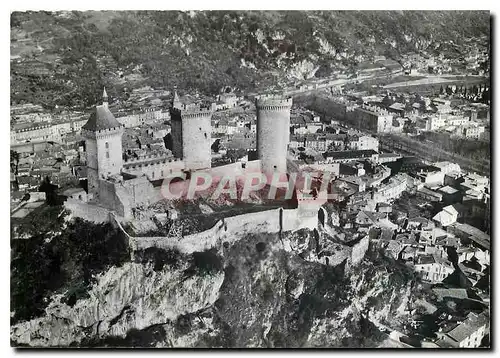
<point>101,119</point>
<point>448,190</point>
<point>469,326</point>
<point>350,154</point>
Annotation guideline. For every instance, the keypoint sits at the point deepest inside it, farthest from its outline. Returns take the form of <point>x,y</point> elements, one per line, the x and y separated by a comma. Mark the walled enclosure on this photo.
<point>228,229</point>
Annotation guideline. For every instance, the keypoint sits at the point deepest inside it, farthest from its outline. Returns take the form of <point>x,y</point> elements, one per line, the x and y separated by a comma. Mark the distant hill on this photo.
<point>65,58</point>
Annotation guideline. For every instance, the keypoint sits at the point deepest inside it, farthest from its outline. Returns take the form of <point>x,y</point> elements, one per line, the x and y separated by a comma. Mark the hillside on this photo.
<point>252,293</point>
<point>65,58</point>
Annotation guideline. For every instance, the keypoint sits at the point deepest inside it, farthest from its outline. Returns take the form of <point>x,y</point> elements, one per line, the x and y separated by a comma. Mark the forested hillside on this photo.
<point>64,58</point>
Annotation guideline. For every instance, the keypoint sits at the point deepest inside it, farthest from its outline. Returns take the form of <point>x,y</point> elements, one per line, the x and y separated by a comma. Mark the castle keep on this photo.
<point>103,143</point>
<point>191,134</point>
<point>273,123</point>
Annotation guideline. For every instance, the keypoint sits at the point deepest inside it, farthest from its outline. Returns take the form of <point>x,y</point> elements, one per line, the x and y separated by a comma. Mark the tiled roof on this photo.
<point>100,119</point>
<point>350,154</point>
<point>469,326</point>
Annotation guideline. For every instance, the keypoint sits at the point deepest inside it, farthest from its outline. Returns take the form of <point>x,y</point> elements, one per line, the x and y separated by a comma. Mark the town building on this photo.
<point>432,268</point>
<point>466,334</point>
<point>373,119</point>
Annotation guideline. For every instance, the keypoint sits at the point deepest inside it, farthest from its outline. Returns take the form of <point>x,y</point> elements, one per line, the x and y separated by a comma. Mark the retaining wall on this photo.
<point>228,229</point>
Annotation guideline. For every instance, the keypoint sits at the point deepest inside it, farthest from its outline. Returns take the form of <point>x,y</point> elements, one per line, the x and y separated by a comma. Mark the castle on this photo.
<point>120,186</point>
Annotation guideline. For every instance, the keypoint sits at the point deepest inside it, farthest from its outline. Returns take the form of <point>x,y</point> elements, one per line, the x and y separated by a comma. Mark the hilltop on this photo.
<point>64,58</point>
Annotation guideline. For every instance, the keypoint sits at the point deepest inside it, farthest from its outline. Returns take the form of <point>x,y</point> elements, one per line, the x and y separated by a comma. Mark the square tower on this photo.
<point>103,144</point>
<point>192,135</point>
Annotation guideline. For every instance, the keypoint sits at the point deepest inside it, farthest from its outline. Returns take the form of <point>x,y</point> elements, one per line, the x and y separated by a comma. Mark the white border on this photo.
<point>189,5</point>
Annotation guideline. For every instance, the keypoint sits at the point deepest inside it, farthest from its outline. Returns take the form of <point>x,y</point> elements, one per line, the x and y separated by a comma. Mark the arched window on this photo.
<point>107,145</point>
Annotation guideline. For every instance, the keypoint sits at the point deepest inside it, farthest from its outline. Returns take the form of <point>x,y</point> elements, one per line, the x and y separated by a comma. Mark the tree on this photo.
<point>50,191</point>
<point>216,146</point>
<point>14,161</point>
<point>235,154</point>
<point>68,262</point>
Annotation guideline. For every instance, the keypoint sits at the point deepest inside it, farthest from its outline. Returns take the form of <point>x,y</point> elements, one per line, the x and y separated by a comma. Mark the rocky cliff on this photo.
<point>260,291</point>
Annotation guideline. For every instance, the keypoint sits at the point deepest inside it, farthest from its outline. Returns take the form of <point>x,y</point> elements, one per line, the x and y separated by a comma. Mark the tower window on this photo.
<point>107,154</point>
<point>107,145</point>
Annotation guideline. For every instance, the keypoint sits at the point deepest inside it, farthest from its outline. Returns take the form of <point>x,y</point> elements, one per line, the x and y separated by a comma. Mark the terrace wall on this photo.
<point>228,229</point>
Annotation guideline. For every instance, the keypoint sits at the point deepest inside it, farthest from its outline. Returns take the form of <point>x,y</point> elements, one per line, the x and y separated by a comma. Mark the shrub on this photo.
<point>160,257</point>
<point>205,263</point>
<point>68,261</point>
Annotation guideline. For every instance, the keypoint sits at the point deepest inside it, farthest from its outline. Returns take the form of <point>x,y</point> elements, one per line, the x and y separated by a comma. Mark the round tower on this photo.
<point>103,145</point>
<point>192,136</point>
<point>273,127</point>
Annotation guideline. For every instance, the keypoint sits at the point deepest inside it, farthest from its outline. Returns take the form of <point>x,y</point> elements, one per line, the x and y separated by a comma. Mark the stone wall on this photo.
<point>359,250</point>
<point>154,170</point>
<point>229,229</point>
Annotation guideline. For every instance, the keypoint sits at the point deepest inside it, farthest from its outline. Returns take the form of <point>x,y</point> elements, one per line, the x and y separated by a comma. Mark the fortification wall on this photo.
<point>229,229</point>
<point>154,170</point>
<point>359,250</point>
<point>108,198</point>
<point>139,191</point>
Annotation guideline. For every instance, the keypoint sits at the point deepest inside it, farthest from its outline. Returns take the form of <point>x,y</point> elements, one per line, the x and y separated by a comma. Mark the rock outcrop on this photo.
<point>270,292</point>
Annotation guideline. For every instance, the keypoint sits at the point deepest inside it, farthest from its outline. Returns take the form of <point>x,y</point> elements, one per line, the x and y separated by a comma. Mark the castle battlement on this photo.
<point>273,103</point>
<point>102,132</point>
<point>144,162</point>
<point>151,157</point>
<point>33,128</point>
<point>190,111</point>
<point>145,157</point>
<point>374,110</point>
